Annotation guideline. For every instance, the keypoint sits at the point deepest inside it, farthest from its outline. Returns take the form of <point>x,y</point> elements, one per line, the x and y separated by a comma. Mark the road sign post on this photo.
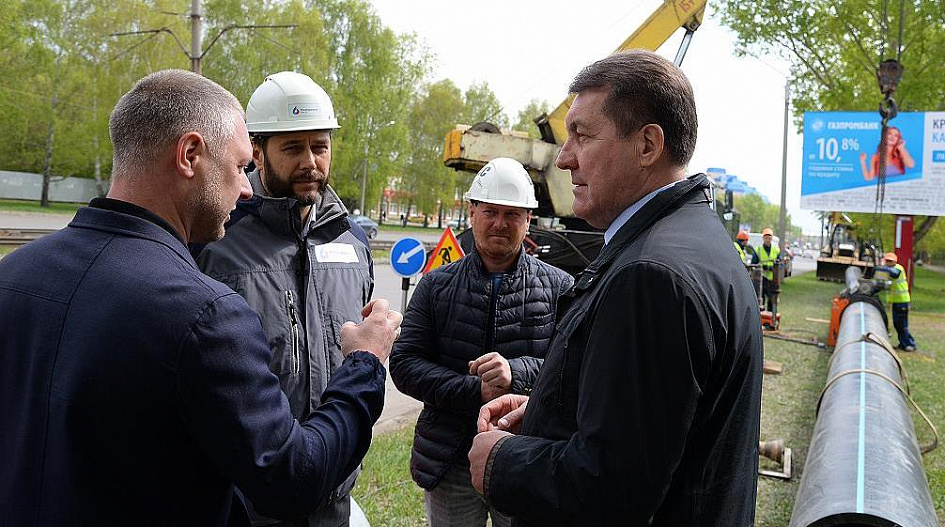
<point>407,258</point>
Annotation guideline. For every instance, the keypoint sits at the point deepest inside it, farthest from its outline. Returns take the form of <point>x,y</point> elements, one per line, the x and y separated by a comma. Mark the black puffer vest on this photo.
<point>445,327</point>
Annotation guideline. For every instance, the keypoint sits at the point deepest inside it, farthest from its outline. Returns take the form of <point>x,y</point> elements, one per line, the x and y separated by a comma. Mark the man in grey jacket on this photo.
<point>292,253</point>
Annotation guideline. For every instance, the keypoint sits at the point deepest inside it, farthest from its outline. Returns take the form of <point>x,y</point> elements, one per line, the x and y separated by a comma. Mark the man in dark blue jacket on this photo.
<point>136,390</point>
<point>646,411</point>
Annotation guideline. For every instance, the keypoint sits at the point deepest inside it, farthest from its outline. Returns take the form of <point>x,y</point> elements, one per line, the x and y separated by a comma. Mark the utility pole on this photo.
<point>196,38</point>
<point>782,218</point>
<point>196,53</point>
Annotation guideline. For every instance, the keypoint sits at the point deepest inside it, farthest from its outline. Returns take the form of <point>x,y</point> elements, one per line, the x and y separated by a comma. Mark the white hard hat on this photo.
<point>503,181</point>
<point>289,102</point>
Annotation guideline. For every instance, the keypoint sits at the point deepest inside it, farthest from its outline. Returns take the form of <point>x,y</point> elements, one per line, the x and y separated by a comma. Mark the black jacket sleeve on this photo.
<point>413,365</point>
<point>647,353</point>
<point>234,407</point>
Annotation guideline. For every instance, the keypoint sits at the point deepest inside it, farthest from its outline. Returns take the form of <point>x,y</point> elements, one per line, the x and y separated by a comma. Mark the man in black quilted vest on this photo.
<point>475,330</point>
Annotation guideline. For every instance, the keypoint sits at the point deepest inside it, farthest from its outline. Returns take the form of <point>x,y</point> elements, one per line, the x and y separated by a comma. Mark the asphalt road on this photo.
<point>399,409</point>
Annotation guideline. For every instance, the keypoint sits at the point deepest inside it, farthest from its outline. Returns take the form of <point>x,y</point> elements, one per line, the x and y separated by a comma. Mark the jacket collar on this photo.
<point>106,220</point>
<point>282,214</point>
<point>693,189</point>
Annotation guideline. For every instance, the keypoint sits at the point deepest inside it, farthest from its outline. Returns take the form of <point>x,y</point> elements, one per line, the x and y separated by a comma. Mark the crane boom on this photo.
<point>656,30</point>
<point>470,148</point>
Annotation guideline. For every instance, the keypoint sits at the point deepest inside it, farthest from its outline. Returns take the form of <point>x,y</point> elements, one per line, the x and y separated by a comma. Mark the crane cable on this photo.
<point>888,75</point>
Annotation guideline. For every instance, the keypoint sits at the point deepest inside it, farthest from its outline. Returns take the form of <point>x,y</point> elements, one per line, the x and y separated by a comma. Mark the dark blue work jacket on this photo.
<point>136,390</point>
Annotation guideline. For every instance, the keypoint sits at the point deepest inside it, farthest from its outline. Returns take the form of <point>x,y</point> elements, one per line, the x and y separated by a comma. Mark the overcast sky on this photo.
<point>531,49</point>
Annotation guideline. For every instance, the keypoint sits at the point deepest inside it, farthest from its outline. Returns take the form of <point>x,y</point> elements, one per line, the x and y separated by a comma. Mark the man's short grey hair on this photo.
<point>162,107</point>
<point>645,88</point>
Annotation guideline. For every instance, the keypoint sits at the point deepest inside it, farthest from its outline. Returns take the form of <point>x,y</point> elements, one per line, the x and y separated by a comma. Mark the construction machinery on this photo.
<point>844,249</point>
<point>557,236</point>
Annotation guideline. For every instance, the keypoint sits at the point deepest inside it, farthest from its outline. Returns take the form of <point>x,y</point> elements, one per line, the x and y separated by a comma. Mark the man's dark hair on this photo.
<point>645,89</point>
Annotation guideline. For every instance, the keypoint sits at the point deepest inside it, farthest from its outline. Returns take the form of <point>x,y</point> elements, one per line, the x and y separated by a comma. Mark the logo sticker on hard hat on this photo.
<point>305,111</point>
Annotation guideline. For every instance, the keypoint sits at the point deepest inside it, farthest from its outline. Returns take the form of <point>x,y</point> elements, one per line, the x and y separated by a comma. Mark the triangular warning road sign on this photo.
<point>447,250</point>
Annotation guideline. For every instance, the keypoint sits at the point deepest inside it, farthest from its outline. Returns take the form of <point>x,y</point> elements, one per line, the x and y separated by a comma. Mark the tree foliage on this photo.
<point>527,115</point>
<point>63,70</point>
<point>753,210</point>
<point>834,49</point>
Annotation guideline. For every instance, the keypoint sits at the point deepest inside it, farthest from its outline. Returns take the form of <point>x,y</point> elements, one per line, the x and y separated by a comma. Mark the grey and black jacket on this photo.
<point>445,327</point>
<point>303,282</point>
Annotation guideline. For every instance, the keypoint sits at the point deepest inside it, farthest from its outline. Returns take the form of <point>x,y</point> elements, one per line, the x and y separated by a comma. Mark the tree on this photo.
<point>481,105</point>
<point>64,72</point>
<point>755,211</point>
<point>835,47</point>
<point>527,115</point>
<point>433,114</point>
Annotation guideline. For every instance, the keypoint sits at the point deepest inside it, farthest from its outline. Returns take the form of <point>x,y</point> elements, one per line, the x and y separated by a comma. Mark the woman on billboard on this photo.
<point>898,159</point>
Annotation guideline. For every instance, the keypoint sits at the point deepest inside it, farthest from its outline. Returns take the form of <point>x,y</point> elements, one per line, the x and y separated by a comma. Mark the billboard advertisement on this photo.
<point>841,162</point>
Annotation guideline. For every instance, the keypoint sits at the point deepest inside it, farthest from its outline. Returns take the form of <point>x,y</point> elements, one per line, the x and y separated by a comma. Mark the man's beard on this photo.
<point>280,186</point>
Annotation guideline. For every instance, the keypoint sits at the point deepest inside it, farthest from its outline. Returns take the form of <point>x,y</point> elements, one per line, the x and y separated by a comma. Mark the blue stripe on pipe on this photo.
<point>861,451</point>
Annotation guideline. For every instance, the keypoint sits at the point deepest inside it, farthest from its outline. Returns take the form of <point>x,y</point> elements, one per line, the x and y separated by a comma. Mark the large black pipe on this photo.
<point>864,467</point>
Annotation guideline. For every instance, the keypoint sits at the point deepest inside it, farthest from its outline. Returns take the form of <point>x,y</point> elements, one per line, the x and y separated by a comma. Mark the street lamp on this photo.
<point>364,175</point>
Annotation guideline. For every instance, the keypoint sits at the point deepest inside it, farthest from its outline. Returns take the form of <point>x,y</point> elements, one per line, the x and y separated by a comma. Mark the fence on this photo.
<point>29,186</point>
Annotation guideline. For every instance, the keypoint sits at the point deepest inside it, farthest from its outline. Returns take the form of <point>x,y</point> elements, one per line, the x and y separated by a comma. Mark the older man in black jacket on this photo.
<point>475,330</point>
<point>647,408</point>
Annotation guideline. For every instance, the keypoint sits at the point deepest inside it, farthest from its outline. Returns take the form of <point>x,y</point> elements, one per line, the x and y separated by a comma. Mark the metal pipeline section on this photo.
<point>864,466</point>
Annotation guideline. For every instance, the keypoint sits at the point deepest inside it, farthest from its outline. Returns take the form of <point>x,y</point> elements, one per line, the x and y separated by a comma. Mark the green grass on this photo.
<point>789,401</point>
<point>411,228</point>
<point>33,206</point>
<point>385,490</point>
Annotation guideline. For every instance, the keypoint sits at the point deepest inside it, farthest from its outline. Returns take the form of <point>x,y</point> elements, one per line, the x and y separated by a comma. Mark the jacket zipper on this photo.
<point>294,319</point>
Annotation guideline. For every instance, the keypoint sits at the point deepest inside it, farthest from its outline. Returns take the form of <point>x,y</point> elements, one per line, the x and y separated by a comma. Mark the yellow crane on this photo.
<point>469,148</point>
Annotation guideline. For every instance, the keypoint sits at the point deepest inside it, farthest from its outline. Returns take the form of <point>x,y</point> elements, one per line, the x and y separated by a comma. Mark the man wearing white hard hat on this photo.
<point>475,329</point>
<point>292,253</point>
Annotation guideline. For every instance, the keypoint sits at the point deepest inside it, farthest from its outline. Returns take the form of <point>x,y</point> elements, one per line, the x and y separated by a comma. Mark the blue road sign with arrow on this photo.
<point>407,257</point>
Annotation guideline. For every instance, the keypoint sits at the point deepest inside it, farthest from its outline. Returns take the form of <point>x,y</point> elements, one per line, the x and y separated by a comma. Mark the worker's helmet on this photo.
<point>742,235</point>
<point>503,181</point>
<point>767,232</point>
<point>289,102</point>
<point>891,257</point>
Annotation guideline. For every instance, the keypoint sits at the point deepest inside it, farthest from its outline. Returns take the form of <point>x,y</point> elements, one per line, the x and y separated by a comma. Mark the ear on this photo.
<point>651,144</point>
<point>190,147</point>
<point>258,155</point>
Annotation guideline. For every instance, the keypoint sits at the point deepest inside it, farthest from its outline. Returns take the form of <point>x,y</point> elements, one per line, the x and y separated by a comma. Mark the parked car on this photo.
<point>369,226</point>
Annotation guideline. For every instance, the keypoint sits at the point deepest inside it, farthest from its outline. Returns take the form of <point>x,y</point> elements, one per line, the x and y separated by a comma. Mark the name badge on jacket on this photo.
<point>336,253</point>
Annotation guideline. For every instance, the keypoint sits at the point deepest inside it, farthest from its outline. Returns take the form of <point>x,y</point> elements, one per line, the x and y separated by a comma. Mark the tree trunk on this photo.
<point>50,136</point>
<point>924,229</point>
